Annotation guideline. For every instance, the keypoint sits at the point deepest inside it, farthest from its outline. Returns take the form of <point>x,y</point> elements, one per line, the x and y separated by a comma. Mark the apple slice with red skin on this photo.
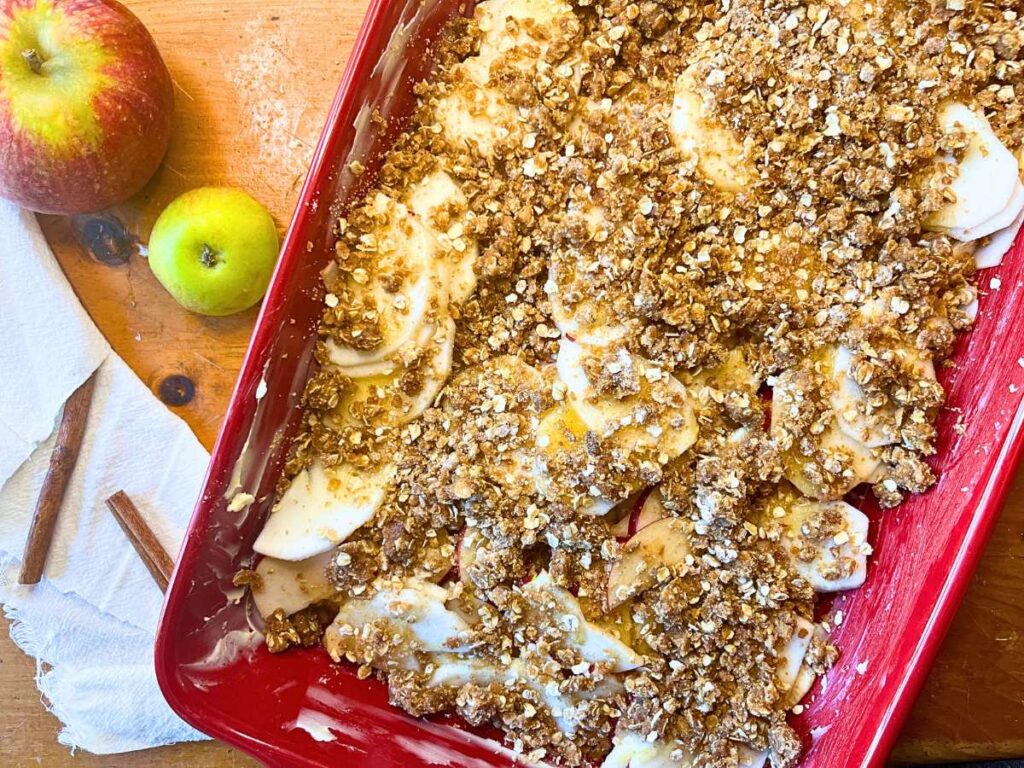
<point>470,540</point>
<point>663,543</point>
<point>649,510</point>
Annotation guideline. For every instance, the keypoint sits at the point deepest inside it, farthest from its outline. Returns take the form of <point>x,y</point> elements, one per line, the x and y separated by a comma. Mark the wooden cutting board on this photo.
<point>255,79</point>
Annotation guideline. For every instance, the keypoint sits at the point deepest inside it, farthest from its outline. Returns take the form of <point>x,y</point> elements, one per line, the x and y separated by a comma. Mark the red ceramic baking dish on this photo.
<point>298,709</point>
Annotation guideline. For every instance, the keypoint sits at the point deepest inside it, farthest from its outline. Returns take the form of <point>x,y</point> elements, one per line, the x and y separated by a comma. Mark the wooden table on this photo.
<point>254,80</point>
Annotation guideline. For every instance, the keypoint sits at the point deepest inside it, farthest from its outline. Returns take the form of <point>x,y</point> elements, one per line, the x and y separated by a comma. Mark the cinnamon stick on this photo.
<point>142,538</point>
<point>62,465</point>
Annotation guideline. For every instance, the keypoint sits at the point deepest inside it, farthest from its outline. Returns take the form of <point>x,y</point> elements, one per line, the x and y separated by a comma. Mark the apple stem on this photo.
<point>208,256</point>
<point>33,59</point>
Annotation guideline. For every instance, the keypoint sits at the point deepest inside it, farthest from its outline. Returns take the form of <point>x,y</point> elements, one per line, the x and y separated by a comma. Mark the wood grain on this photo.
<point>254,82</point>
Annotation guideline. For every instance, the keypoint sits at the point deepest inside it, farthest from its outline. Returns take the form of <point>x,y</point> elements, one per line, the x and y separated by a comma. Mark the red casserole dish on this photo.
<point>299,709</point>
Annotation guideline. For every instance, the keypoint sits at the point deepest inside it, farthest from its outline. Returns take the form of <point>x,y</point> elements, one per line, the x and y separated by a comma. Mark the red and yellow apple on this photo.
<point>85,104</point>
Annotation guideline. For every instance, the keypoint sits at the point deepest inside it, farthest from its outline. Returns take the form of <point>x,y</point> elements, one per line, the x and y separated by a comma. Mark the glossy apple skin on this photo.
<point>96,132</point>
<point>214,250</point>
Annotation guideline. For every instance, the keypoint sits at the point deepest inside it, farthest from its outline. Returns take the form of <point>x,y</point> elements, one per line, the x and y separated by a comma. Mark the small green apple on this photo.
<point>214,249</point>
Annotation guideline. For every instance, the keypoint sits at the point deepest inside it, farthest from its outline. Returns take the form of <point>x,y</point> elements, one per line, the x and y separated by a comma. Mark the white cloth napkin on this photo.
<point>90,623</point>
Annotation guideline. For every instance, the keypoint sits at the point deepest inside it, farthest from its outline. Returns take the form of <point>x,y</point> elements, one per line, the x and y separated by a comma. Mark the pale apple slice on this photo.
<point>849,545</point>
<point>572,355</point>
<point>632,750</point>
<point>850,402</point>
<point>662,544</point>
<point>801,686</point>
<point>456,671</point>
<point>791,656</point>
<point>506,25</point>
<point>452,670</point>
<point>416,612</point>
<point>752,758</point>
<point>850,405</point>
<point>440,203</point>
<point>402,246</point>
<point>644,509</point>
<point>648,510</point>
<point>434,194</point>
<point>402,406</point>
<point>594,644</point>
<point>570,288</point>
<point>435,372</point>
<point>733,373</point>
<point>321,508</point>
<point>620,528</point>
<point>862,465</point>
<point>584,323</point>
<point>372,370</point>
<point>1000,221</point>
<point>861,461</point>
<point>985,178</point>
<point>292,586</point>
<point>719,155</point>
<point>561,429</point>
<point>991,253</point>
<point>660,416</point>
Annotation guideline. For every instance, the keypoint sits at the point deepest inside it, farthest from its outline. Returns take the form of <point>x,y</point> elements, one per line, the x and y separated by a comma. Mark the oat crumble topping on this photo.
<point>630,246</point>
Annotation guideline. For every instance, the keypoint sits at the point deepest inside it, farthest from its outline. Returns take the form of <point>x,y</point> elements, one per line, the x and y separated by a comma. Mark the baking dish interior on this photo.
<point>299,709</point>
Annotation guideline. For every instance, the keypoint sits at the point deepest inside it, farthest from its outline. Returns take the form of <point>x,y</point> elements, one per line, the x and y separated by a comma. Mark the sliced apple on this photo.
<point>435,373</point>
<point>416,612</point>
<point>473,116</point>
<point>719,155</point>
<point>649,512</point>
<point>791,656</point>
<point>662,544</point>
<point>455,671</point>
<point>292,586</point>
<point>452,670</point>
<point>984,180</point>
<point>642,511</point>
<point>991,253</point>
<point>593,643</point>
<point>801,686</point>
<point>402,245</point>
<point>634,751</point>
<point>752,758</point>
<point>506,25</point>
<point>433,194</point>
<point>570,288</point>
<point>1000,221</point>
<point>853,412</point>
<point>801,470</point>
<point>400,405</point>
<point>321,508</point>
<point>660,416</point>
<point>861,463</point>
<point>838,563</point>
<point>439,202</point>
<point>561,429</point>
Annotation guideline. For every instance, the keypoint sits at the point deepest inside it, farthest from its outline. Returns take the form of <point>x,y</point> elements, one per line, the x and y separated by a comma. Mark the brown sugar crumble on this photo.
<point>630,246</point>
